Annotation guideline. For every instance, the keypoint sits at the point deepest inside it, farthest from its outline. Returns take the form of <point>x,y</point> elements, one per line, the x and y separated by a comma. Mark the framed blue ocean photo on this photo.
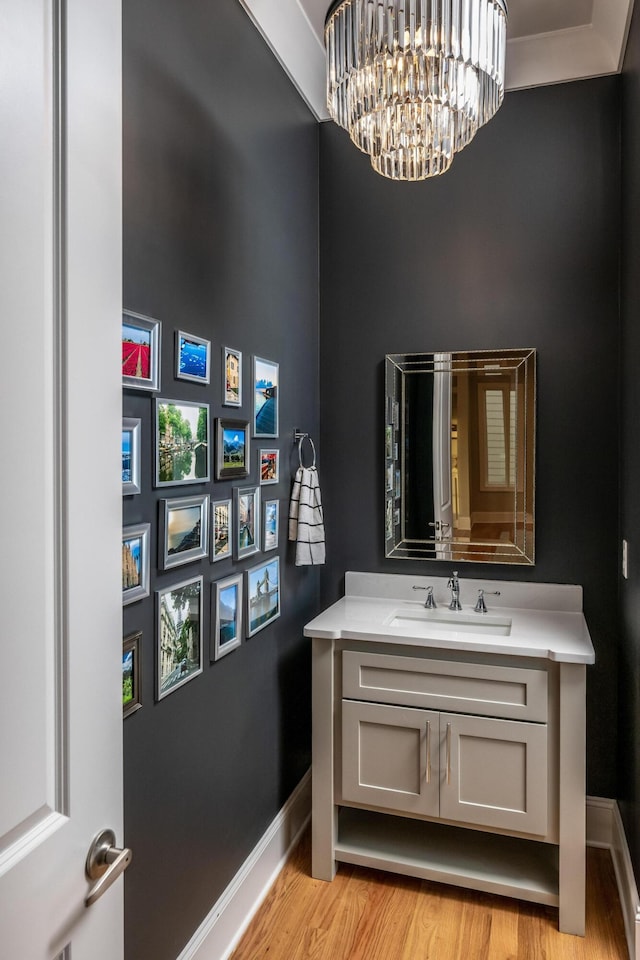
<point>226,616</point>
<point>192,358</point>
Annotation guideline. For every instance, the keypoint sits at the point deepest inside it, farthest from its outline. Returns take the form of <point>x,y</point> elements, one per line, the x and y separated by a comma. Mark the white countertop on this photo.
<point>546,619</point>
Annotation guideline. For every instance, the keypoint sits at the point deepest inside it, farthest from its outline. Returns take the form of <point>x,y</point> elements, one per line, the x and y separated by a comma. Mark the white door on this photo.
<point>442,497</point>
<point>60,506</point>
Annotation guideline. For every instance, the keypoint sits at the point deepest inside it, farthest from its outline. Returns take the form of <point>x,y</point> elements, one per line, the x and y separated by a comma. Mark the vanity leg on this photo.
<point>323,816</point>
<point>572,798</point>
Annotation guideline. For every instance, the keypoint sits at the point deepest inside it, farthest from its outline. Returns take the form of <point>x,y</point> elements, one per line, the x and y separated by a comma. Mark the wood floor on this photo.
<point>370,915</point>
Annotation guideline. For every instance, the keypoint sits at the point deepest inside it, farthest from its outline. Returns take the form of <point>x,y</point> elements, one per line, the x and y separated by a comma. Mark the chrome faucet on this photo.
<point>454,586</point>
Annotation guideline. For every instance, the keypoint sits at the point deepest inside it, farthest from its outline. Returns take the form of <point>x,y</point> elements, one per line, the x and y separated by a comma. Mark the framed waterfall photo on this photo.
<point>247,521</point>
<point>265,397</point>
<point>192,358</point>
<point>140,352</point>
<point>226,616</point>
<point>182,442</point>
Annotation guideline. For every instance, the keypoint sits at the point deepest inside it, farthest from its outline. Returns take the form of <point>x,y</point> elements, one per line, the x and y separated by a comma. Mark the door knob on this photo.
<point>105,863</point>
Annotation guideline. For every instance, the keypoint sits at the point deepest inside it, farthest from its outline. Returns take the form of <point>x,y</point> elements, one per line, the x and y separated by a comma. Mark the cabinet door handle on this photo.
<point>448,753</point>
<point>428,777</point>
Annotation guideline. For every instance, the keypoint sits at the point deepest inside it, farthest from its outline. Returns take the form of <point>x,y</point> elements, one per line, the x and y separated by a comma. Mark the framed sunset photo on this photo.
<point>184,531</point>
<point>140,352</point>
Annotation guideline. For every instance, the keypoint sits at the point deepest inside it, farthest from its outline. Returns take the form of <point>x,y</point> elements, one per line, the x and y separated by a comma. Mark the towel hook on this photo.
<point>300,438</point>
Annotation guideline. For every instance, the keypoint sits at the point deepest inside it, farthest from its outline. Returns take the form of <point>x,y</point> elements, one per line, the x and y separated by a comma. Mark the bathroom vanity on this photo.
<point>450,744</point>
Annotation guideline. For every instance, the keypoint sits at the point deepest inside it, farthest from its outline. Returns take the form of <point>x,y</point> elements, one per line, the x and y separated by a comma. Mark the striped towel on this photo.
<point>306,519</point>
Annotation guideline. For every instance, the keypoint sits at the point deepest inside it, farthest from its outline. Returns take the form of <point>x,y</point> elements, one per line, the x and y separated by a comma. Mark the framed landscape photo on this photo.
<point>140,352</point>
<point>131,428</point>
<point>247,521</point>
<point>263,595</point>
<point>232,377</point>
<point>271,511</point>
<point>182,442</point>
<point>179,635</point>
<point>193,358</point>
<point>265,397</point>
<point>131,671</point>
<point>226,616</point>
<point>269,466</point>
<point>220,529</point>
<point>233,448</point>
<point>135,562</point>
<point>184,531</point>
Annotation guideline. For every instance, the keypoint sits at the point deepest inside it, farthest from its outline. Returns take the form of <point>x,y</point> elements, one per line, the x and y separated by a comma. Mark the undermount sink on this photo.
<point>454,620</point>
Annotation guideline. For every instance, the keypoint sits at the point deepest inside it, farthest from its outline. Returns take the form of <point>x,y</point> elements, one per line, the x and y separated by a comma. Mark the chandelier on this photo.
<point>413,80</point>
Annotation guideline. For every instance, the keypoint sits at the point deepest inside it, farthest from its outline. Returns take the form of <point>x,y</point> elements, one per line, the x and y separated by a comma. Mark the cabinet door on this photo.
<point>494,772</point>
<point>390,757</point>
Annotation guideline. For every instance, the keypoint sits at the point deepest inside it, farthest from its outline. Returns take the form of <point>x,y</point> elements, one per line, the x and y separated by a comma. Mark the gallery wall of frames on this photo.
<point>215,463</point>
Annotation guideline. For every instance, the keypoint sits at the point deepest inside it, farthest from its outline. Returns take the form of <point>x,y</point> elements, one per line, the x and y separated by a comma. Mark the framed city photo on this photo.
<point>232,448</point>
<point>140,352</point>
<point>220,530</point>
<point>131,428</point>
<point>232,377</point>
<point>182,442</point>
<point>271,511</point>
<point>247,521</point>
<point>263,595</point>
<point>131,670</point>
<point>179,635</point>
<point>269,466</point>
<point>135,562</point>
<point>226,616</point>
<point>193,356</point>
<point>265,398</point>
<point>184,531</point>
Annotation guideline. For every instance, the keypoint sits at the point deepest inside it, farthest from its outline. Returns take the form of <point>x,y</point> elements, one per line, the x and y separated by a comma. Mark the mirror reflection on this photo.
<point>459,456</point>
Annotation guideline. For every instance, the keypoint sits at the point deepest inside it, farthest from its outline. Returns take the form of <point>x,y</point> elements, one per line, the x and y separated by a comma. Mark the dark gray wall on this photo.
<point>629,766</point>
<point>516,246</point>
<point>220,240</point>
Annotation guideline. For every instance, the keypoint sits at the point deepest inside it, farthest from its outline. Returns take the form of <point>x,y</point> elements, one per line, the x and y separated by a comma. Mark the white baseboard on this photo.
<point>219,933</point>
<point>605,829</point>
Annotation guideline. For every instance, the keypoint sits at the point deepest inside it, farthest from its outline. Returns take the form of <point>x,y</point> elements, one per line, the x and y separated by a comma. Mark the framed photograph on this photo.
<point>232,448</point>
<point>226,616</point>
<point>131,671</point>
<point>193,358</point>
<point>184,531</point>
<point>179,635</point>
<point>135,562</point>
<point>265,398</point>
<point>131,428</point>
<point>182,442</point>
<point>220,529</point>
<point>140,352</point>
<point>263,595</point>
<point>271,523</point>
<point>269,466</point>
<point>232,377</point>
<point>247,521</point>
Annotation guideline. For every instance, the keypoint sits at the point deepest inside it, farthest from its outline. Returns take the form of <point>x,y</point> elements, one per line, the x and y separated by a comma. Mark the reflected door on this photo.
<point>442,489</point>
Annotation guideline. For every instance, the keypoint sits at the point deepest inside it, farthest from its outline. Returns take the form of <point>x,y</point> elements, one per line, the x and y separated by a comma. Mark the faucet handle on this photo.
<point>481,606</point>
<point>430,602</point>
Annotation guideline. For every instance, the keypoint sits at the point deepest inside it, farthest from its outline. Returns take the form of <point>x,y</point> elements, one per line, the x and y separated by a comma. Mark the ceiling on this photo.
<point>549,41</point>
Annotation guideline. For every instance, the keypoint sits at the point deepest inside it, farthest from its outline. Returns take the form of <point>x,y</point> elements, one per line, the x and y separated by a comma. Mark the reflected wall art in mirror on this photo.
<point>459,447</point>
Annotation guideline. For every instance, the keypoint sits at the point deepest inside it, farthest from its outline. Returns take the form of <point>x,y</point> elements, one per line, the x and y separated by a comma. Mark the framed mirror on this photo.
<point>459,454</point>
